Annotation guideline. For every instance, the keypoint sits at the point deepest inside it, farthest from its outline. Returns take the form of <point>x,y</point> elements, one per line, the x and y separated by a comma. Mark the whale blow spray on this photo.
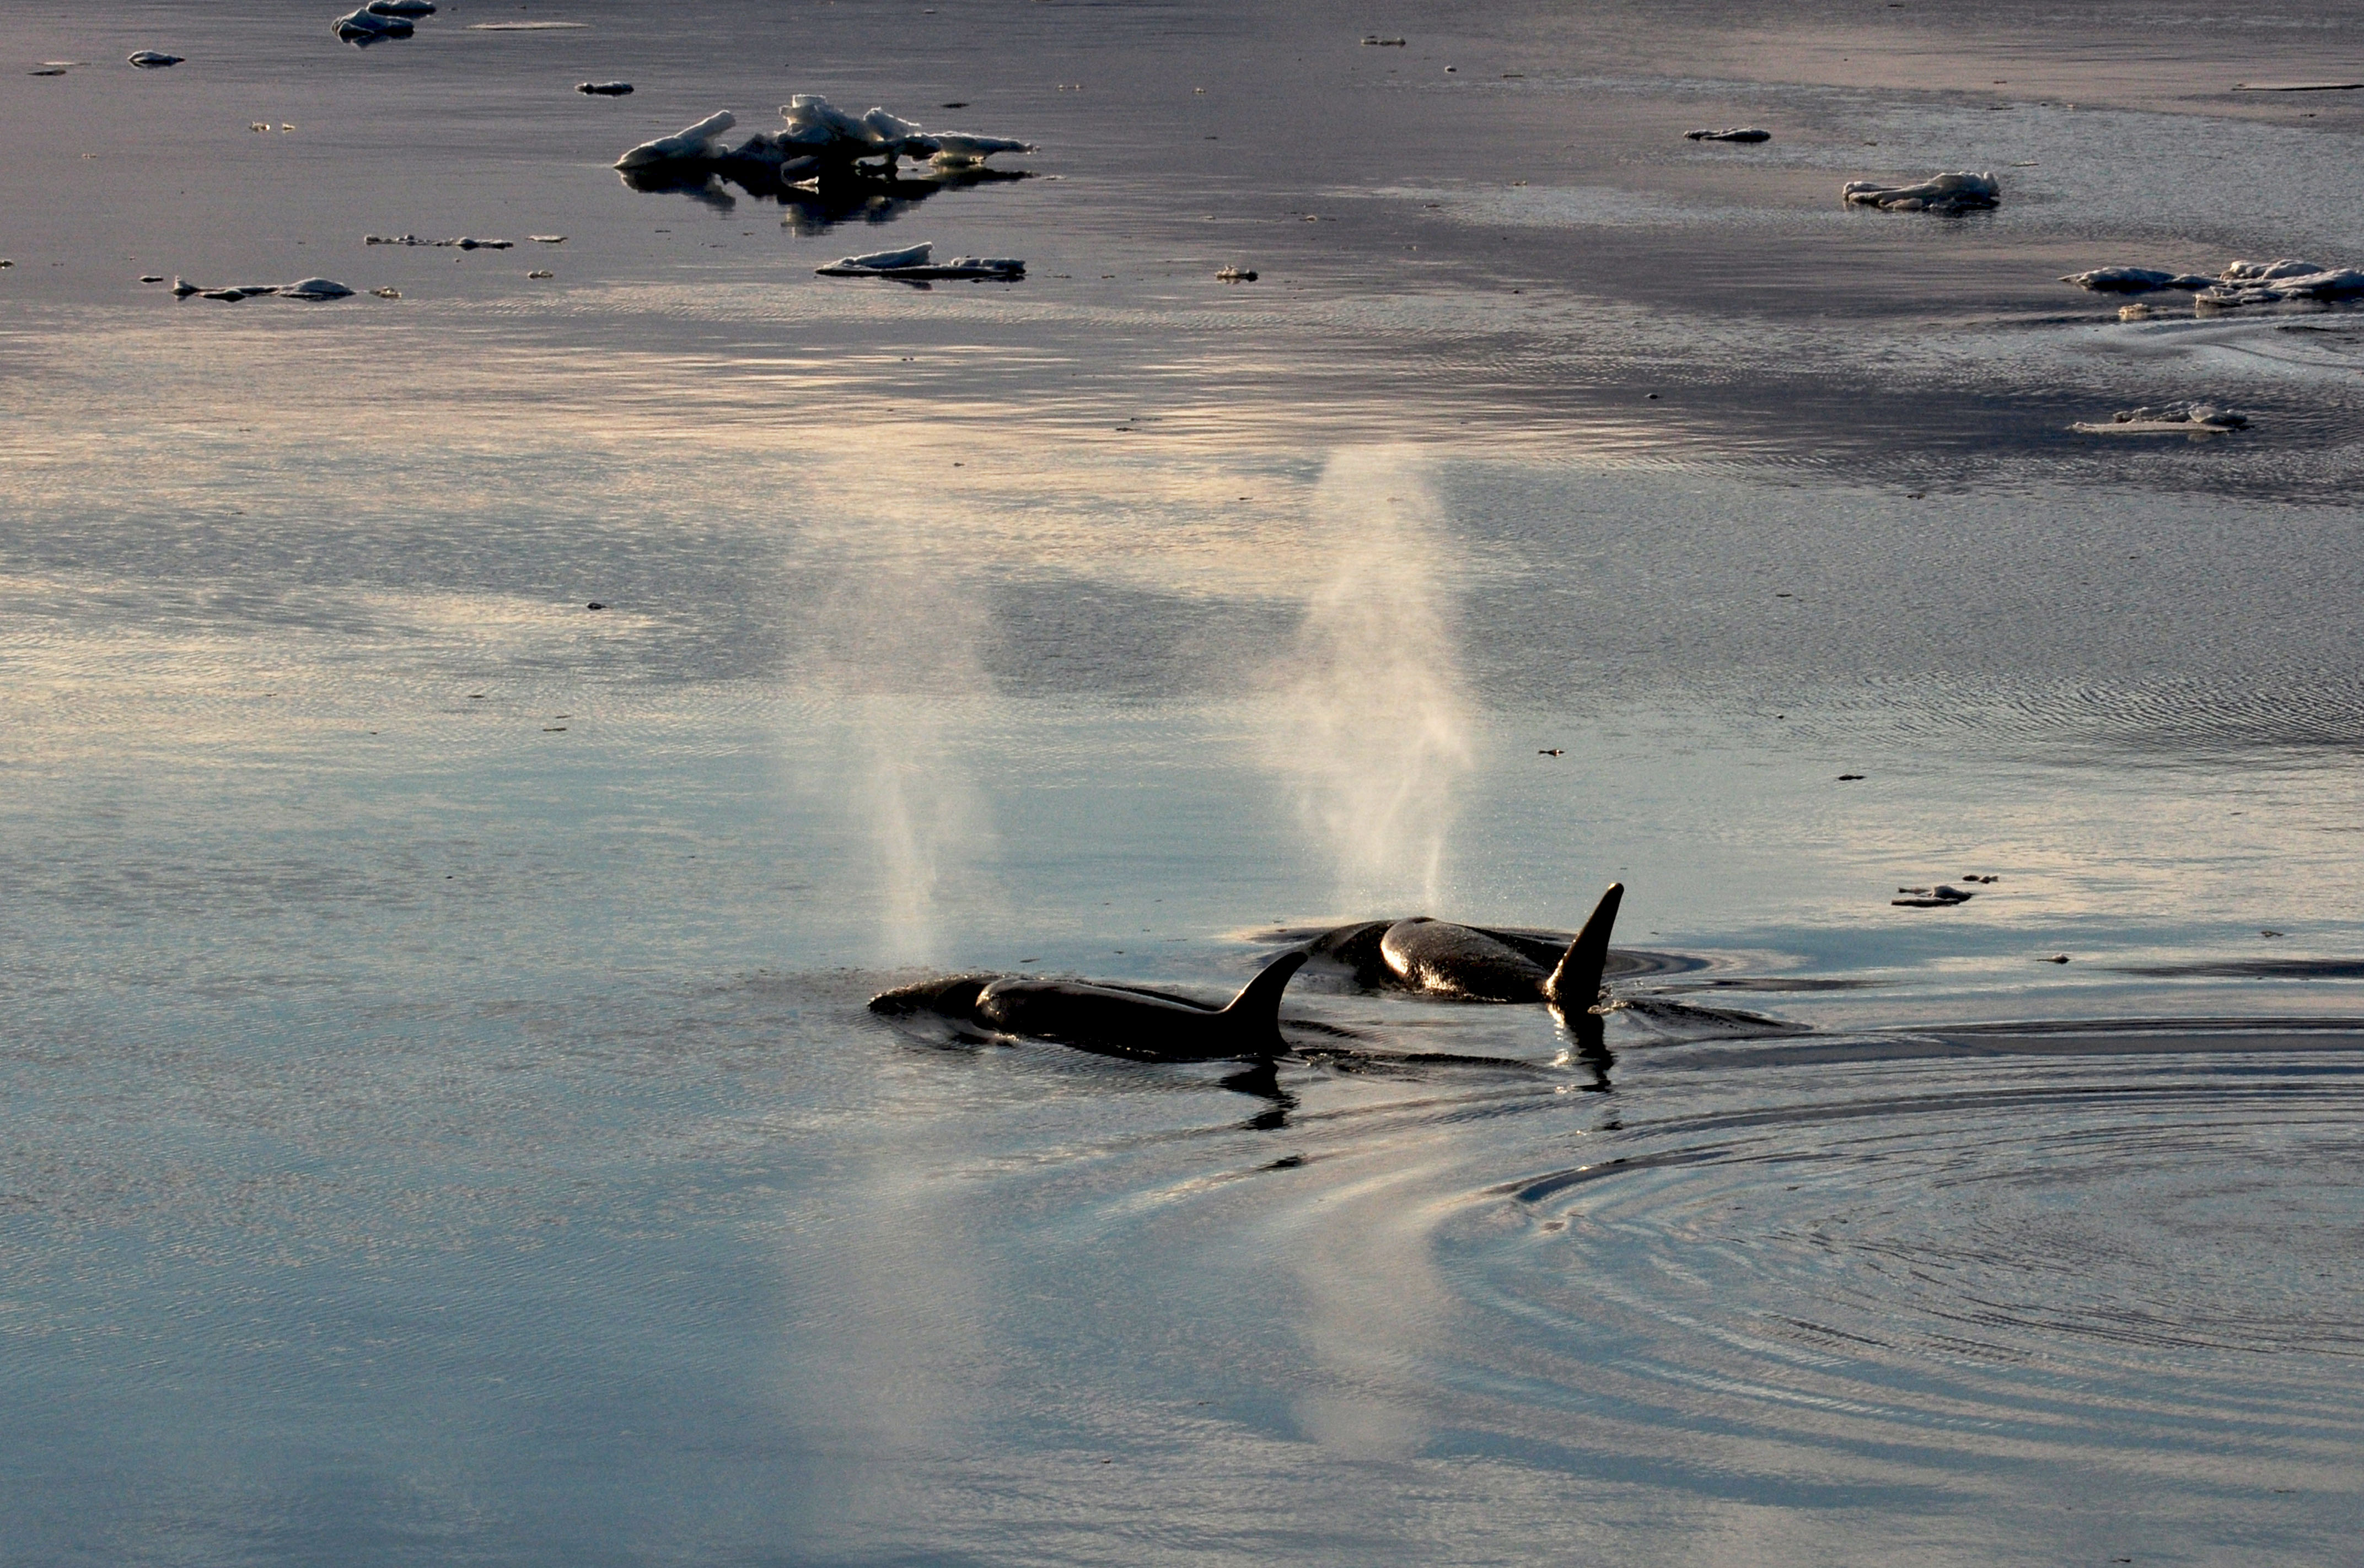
<point>1369,718</point>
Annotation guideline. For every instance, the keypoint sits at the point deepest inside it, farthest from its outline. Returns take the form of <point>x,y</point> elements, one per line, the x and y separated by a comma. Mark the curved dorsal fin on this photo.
<point>1574,985</point>
<point>1257,1007</point>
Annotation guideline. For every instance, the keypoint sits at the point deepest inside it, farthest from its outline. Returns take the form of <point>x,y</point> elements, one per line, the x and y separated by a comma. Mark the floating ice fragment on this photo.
<point>462,242</point>
<point>2135,280</point>
<point>1236,276</point>
<point>912,265</point>
<point>1940,193</point>
<point>695,142</point>
<point>2168,420</point>
<point>151,277</point>
<point>539,273</point>
<point>953,147</point>
<point>400,7</point>
<point>909,256</point>
<point>367,27</point>
<point>2298,86</point>
<point>1941,896</point>
<point>387,294</point>
<point>2268,282</point>
<point>2243,282</point>
<point>153,59</point>
<point>308,288</point>
<point>818,140</point>
<point>547,239</point>
<point>524,26</point>
<point>1372,40</point>
<point>603,89</point>
<point>1736,133</point>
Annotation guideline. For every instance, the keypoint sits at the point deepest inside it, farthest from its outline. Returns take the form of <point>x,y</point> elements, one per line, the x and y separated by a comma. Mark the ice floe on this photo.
<point>2243,282</point>
<point>307,289</point>
<point>912,264</point>
<point>1940,193</point>
<point>816,141</point>
<point>2135,280</point>
<point>400,7</point>
<point>1733,133</point>
<point>691,144</point>
<point>462,242</point>
<point>153,59</point>
<point>1236,276</point>
<point>603,89</point>
<point>2168,420</point>
<point>2270,283</point>
<point>366,26</point>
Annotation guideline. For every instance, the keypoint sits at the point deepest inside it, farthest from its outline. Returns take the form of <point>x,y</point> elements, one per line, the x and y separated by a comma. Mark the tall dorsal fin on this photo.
<point>1574,985</point>
<point>1257,1009</point>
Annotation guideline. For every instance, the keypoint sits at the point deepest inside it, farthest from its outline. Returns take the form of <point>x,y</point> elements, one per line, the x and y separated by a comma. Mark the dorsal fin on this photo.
<point>1574,985</point>
<point>1257,1009</point>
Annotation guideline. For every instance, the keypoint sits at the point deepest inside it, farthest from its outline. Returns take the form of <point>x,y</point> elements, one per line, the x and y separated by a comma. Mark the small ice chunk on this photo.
<point>1372,40</point>
<point>183,288</point>
<point>603,89</point>
<point>912,265</point>
<point>1236,276</point>
<point>2270,283</point>
<point>957,148</point>
<point>690,141</point>
<point>909,256</point>
<point>547,239</point>
<point>151,277</point>
<point>1940,193</point>
<point>400,7</point>
<point>2266,271</point>
<point>2135,280</point>
<point>1736,133</point>
<point>366,26</point>
<point>387,293</point>
<point>315,288</point>
<point>153,59</point>
<point>2189,418</point>
<point>540,272</point>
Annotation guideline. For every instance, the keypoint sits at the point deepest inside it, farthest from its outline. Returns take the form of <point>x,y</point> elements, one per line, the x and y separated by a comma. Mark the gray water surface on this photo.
<point>442,1121</point>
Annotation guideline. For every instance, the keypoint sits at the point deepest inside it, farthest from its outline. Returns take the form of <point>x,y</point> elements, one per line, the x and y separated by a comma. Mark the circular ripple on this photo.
<point>2141,1257</point>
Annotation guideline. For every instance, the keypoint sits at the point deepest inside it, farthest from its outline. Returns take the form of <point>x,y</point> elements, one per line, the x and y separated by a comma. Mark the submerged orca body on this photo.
<point>1477,963</point>
<point>1115,1020</point>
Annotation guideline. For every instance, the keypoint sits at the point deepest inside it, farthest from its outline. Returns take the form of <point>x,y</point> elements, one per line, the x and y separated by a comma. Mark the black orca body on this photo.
<point>1115,1020</point>
<point>1477,963</point>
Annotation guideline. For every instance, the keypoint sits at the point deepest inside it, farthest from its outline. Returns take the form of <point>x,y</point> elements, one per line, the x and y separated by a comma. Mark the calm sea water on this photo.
<point>442,1122</point>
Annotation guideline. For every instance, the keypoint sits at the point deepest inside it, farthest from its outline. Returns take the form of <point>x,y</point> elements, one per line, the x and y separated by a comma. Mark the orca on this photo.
<point>1113,1021</point>
<point>1477,963</point>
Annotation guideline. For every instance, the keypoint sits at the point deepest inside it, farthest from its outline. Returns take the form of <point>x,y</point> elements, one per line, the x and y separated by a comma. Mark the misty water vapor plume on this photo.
<point>893,648</point>
<point>1369,718</point>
